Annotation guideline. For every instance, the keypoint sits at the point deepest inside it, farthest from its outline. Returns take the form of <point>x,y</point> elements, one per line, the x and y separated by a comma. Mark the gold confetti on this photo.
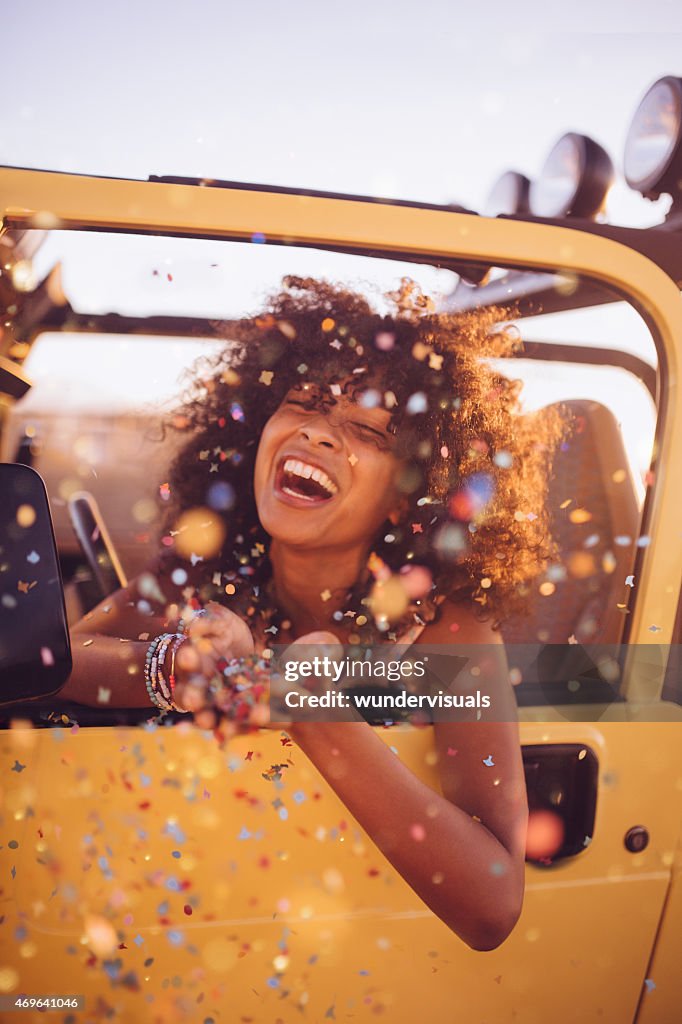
<point>101,935</point>
<point>325,595</point>
<point>435,361</point>
<point>328,324</point>
<point>266,377</point>
<point>200,535</point>
<point>565,504</point>
<point>26,515</point>
<point>353,459</point>
<point>88,642</point>
<point>580,515</point>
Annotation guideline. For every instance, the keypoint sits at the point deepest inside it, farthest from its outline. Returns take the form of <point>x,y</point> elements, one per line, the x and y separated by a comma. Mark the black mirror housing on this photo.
<point>35,652</point>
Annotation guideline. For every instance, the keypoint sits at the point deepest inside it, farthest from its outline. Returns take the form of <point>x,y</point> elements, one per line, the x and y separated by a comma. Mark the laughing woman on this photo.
<point>355,478</point>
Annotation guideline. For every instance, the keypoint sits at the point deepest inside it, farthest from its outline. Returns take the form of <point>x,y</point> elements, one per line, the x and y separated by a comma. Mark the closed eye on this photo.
<point>368,429</point>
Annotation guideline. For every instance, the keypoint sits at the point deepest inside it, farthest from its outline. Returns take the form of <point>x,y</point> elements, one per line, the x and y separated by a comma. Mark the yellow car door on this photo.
<point>160,877</point>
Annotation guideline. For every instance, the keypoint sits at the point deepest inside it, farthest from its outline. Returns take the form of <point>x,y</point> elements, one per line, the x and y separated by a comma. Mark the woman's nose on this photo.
<point>318,430</point>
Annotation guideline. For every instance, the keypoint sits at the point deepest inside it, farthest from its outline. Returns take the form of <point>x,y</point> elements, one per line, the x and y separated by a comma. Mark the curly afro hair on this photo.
<point>477,470</point>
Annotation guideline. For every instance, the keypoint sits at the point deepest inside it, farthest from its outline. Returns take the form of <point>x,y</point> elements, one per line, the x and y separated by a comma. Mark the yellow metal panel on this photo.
<point>662,996</point>
<point>97,835</point>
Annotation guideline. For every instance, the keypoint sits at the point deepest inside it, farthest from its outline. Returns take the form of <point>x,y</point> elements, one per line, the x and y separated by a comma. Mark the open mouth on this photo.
<point>301,480</point>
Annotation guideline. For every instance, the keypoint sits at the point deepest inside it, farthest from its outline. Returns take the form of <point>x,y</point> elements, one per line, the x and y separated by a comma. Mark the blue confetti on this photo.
<point>244,834</point>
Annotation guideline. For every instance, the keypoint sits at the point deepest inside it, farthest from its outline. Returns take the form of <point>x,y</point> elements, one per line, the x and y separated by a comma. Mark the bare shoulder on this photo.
<point>459,624</point>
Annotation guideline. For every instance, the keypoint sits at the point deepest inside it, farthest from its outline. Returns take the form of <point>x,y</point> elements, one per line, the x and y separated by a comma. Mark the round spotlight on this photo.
<point>653,148</point>
<point>509,195</point>
<point>574,181</point>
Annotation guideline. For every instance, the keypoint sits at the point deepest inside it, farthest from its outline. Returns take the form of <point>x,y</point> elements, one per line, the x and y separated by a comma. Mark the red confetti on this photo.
<point>187,909</point>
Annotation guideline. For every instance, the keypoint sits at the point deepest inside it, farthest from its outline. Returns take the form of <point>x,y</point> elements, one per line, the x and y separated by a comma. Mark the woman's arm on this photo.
<point>108,648</point>
<point>463,851</point>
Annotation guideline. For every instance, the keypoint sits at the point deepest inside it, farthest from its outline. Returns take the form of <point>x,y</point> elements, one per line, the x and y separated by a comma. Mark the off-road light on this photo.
<point>508,195</point>
<point>653,149</point>
<point>574,181</point>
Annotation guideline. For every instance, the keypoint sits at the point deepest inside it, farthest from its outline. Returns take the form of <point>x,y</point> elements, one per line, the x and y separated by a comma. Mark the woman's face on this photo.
<point>326,474</point>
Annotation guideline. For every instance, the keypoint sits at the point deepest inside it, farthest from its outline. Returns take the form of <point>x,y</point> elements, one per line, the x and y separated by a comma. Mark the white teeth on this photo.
<point>305,471</point>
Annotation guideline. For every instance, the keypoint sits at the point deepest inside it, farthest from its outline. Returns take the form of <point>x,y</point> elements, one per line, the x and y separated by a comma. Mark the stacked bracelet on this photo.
<point>160,691</point>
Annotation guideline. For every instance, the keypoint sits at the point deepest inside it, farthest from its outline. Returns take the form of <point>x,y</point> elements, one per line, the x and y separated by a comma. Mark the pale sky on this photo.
<point>429,101</point>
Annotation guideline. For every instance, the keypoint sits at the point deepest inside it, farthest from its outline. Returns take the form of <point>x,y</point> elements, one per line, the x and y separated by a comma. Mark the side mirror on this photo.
<point>35,653</point>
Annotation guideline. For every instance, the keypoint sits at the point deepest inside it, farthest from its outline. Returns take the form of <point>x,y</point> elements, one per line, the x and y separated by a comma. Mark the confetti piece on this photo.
<point>417,403</point>
<point>18,767</point>
<point>488,761</point>
<point>88,642</point>
<point>353,459</point>
<point>26,516</point>
<point>655,629</point>
<point>650,985</point>
<point>326,595</point>
<point>418,833</point>
<point>101,935</point>
<point>266,377</point>
<point>629,581</point>
<point>46,656</point>
<point>435,361</point>
<point>103,695</point>
<point>452,752</point>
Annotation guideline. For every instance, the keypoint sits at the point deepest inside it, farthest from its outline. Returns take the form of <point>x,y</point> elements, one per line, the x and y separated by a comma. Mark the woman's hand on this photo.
<point>215,636</point>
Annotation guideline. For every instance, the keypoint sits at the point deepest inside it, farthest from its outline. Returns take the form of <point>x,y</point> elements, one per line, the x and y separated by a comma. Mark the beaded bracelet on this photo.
<point>160,692</point>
